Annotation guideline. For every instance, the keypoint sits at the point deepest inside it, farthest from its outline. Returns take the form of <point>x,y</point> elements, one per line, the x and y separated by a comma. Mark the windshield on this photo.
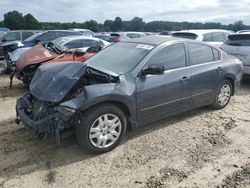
<point>33,37</point>
<point>59,43</point>
<point>120,57</point>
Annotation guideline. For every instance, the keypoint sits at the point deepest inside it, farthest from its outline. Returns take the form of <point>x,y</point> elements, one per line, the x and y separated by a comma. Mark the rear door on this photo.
<point>168,93</point>
<point>205,70</point>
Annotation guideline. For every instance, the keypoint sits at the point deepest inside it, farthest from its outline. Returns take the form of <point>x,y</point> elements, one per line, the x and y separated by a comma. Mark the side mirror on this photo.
<point>79,52</point>
<point>153,70</point>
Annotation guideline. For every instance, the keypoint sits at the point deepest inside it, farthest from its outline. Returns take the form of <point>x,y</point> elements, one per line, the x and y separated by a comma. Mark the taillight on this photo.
<point>117,39</point>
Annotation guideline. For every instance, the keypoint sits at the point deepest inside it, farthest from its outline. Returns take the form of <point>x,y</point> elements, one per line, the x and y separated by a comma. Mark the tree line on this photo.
<point>15,20</point>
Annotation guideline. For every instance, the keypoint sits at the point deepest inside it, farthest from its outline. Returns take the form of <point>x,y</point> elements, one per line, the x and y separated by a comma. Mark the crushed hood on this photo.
<point>35,55</point>
<point>52,82</point>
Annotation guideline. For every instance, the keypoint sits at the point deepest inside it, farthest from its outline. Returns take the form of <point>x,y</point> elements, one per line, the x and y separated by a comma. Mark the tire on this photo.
<point>91,130</point>
<point>225,89</point>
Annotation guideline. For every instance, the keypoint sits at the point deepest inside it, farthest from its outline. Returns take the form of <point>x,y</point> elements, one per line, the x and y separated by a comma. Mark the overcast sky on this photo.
<point>225,11</point>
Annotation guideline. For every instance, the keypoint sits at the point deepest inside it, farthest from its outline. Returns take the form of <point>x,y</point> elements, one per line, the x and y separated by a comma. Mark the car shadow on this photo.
<point>244,87</point>
<point>23,153</point>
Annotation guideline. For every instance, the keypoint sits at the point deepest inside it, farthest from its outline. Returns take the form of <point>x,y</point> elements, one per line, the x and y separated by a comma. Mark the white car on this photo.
<point>238,45</point>
<point>86,32</point>
<point>215,37</point>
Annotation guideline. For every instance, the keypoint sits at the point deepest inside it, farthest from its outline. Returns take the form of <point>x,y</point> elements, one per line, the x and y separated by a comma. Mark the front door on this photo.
<point>167,93</point>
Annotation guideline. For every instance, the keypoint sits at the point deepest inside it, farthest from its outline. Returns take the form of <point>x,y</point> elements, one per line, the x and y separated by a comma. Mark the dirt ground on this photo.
<point>201,148</point>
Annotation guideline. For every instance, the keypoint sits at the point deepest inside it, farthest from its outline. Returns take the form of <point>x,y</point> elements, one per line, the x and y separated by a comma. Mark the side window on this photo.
<point>207,37</point>
<point>26,34</point>
<point>46,37</point>
<point>73,44</point>
<point>171,57</point>
<point>200,54</point>
<point>12,36</point>
<point>88,43</point>
<point>217,55</point>
<point>219,37</point>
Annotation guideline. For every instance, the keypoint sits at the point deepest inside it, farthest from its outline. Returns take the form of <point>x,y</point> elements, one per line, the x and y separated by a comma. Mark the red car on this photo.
<point>26,65</point>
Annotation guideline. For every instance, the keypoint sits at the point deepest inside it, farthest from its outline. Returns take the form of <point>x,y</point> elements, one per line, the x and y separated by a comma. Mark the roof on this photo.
<point>243,33</point>
<point>73,37</point>
<point>202,31</point>
<point>153,39</point>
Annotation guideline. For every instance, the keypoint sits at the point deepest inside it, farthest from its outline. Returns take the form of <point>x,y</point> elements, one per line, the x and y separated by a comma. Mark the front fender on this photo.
<point>100,93</point>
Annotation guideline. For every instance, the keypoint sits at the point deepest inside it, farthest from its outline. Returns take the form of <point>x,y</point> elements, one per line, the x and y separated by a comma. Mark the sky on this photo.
<point>224,11</point>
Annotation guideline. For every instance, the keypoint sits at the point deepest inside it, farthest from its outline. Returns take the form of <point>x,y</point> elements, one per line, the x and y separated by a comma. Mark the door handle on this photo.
<point>219,69</point>
<point>185,78</point>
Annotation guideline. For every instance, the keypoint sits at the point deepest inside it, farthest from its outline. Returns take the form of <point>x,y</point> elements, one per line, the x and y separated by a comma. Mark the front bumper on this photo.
<point>54,120</point>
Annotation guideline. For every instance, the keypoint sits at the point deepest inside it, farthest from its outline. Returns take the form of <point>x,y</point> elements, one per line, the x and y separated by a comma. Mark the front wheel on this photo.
<point>223,95</point>
<point>101,128</point>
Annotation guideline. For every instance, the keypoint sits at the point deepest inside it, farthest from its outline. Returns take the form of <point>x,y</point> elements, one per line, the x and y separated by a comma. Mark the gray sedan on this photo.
<point>127,85</point>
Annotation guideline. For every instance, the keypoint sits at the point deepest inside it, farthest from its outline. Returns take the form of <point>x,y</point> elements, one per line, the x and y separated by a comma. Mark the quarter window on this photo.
<point>200,54</point>
<point>171,57</point>
<point>216,54</point>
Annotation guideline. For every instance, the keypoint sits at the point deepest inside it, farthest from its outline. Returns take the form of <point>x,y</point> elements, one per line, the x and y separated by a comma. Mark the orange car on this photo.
<point>26,65</point>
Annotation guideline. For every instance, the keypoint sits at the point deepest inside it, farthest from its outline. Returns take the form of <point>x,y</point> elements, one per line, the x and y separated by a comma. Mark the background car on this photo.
<point>129,83</point>
<point>55,51</point>
<point>123,36</point>
<point>243,31</point>
<point>41,37</point>
<point>238,45</point>
<point>212,36</point>
<point>14,35</point>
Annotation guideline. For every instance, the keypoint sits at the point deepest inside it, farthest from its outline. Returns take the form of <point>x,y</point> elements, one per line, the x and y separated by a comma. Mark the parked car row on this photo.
<point>61,49</point>
<point>125,85</point>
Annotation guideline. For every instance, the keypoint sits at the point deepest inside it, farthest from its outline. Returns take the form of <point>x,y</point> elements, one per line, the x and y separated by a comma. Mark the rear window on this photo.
<point>238,40</point>
<point>186,35</point>
<point>114,34</point>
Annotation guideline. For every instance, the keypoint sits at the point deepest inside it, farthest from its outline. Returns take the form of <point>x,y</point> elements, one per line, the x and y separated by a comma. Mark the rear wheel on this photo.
<point>223,95</point>
<point>101,128</point>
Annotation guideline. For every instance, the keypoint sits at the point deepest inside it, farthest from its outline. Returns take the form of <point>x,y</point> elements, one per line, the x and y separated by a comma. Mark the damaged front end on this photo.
<point>52,85</point>
<point>43,118</point>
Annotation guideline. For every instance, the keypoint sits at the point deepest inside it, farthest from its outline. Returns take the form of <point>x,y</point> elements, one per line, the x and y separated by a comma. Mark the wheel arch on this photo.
<point>119,104</point>
<point>231,79</point>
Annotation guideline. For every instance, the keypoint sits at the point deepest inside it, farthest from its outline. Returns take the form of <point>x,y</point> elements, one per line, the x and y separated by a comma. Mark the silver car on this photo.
<point>238,45</point>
